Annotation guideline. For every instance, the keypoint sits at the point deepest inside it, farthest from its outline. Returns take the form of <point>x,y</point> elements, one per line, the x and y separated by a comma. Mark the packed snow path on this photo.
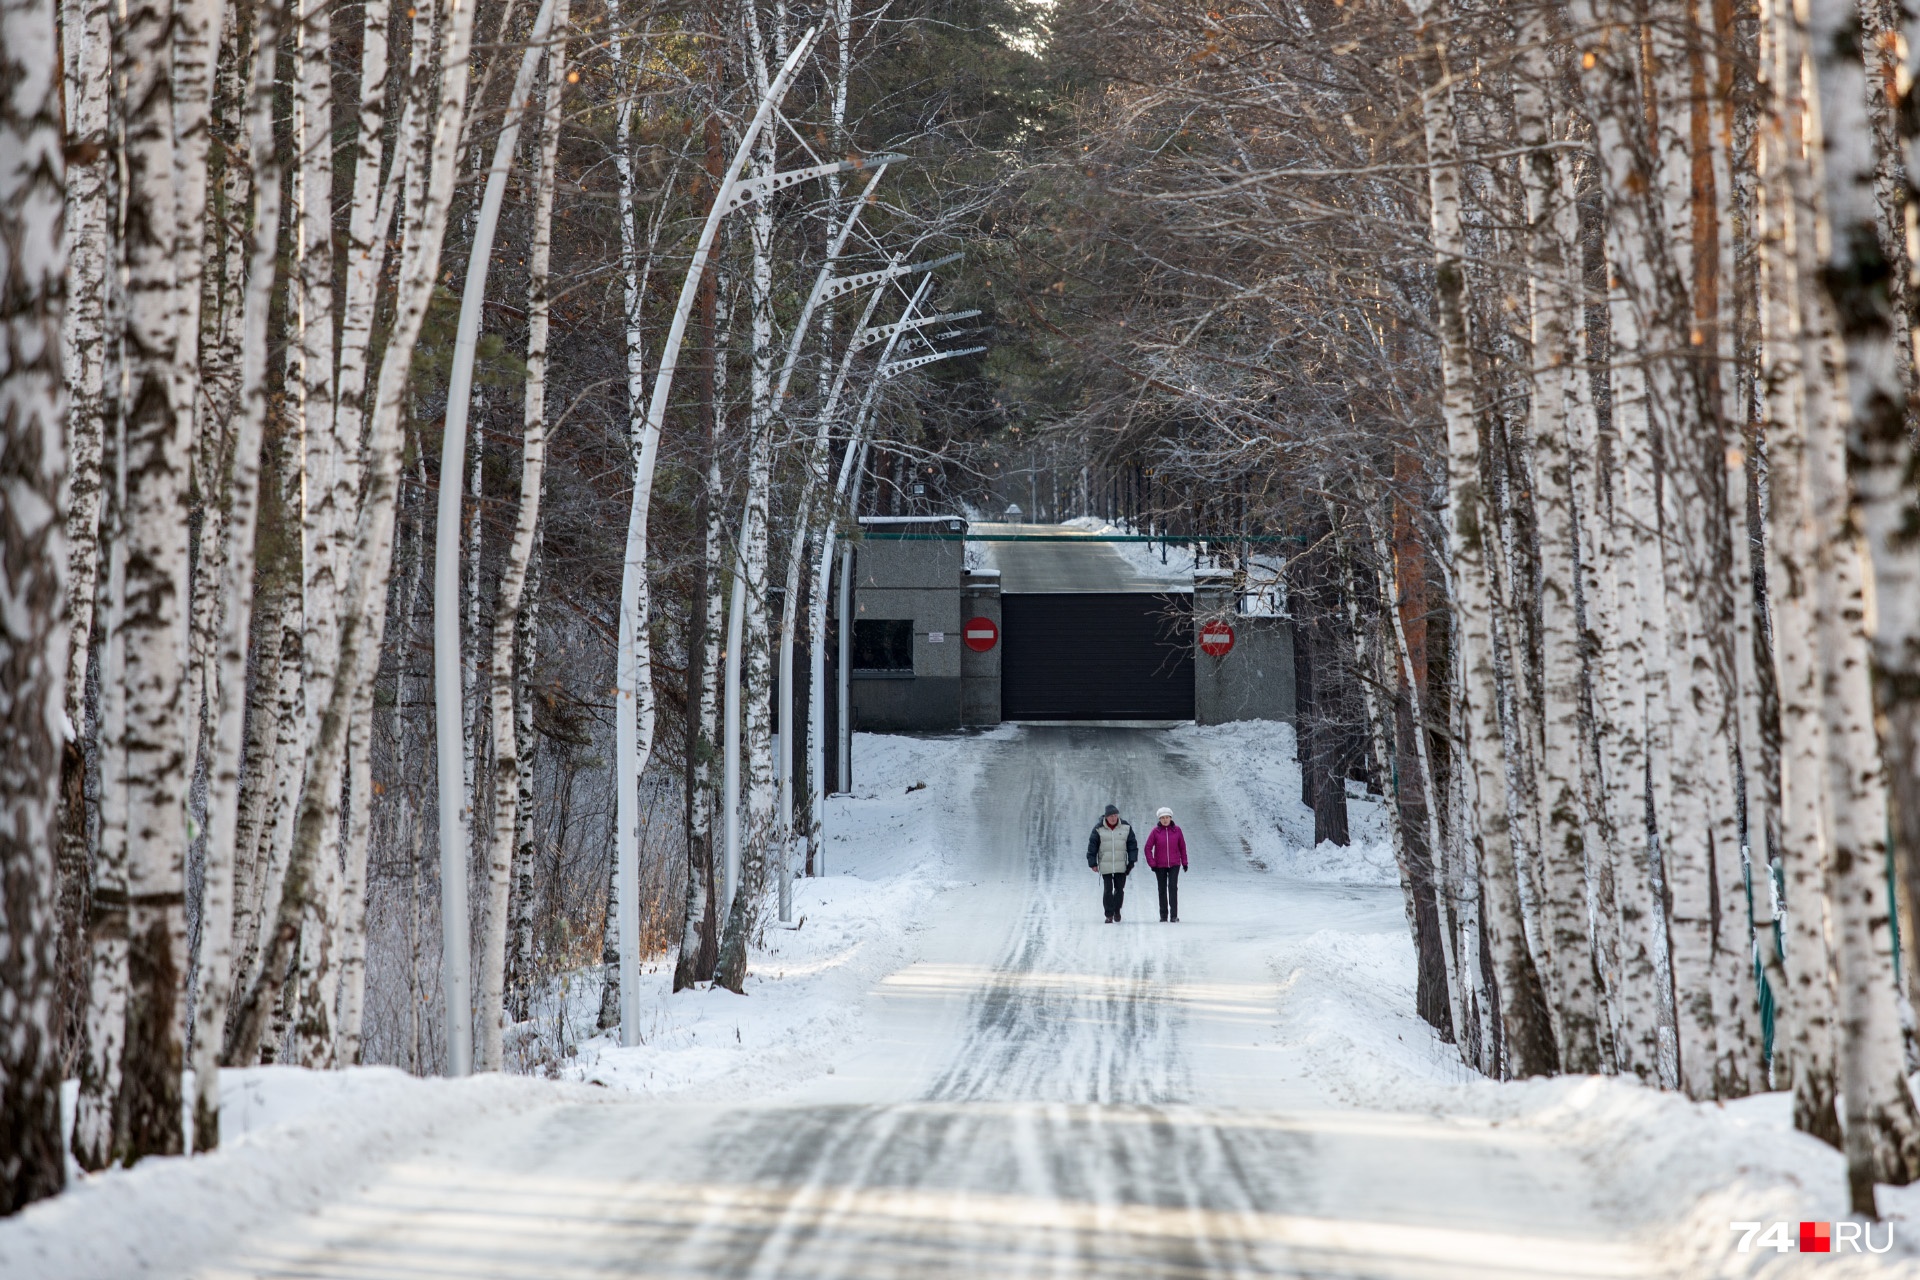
<point>1070,560</point>
<point>1043,1094</point>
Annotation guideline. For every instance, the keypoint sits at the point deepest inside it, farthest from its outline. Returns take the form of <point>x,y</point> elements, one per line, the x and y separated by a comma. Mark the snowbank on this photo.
<point>886,857</point>
<point>1257,781</point>
<point>1143,557</point>
<point>291,1141</point>
<point>1673,1173</point>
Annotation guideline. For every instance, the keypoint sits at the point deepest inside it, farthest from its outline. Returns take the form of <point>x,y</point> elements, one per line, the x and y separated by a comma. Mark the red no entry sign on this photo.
<point>981,634</point>
<point>1216,639</point>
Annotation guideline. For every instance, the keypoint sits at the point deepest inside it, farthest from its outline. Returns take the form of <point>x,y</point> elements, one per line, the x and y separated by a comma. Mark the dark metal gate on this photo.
<point>1096,656</point>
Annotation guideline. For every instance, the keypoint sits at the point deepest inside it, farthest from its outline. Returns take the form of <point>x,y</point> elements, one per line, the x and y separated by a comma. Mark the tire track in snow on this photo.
<point>1074,1010</point>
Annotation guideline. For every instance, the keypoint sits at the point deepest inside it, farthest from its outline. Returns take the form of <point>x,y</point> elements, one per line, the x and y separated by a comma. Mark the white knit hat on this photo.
<point>1163,812</point>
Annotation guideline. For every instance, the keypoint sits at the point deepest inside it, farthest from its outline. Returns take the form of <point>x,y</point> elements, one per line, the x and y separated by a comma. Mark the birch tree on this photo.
<point>363,616</point>
<point>1868,411</point>
<point>157,450</point>
<point>1529,1040</point>
<point>84,346</point>
<point>33,568</point>
<point>506,743</point>
<point>215,962</point>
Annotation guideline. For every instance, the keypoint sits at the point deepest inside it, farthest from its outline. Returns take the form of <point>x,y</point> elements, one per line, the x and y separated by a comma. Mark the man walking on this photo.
<point>1112,851</point>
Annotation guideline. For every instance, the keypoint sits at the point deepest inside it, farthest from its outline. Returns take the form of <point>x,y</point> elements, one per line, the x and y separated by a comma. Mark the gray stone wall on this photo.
<point>980,672</point>
<point>891,704</point>
<point>1254,679</point>
<point>917,580</point>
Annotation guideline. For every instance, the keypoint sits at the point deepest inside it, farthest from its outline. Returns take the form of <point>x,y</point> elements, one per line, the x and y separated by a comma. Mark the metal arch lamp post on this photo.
<point>817,619</point>
<point>456,966</point>
<point>634,670</point>
<point>826,286</point>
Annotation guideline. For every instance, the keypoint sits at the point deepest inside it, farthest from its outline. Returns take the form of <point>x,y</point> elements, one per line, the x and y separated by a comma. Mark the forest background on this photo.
<point>1569,343</point>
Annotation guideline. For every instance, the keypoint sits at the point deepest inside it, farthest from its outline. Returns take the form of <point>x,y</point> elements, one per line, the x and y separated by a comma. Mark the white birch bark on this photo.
<point>1808,999</point>
<point>1880,1124</point>
<point>1741,1066</point>
<point>1881,462</point>
<point>635,671</point>
<point>287,717</point>
<point>747,638</point>
<point>99,1127</point>
<point>33,633</point>
<point>196,43</point>
<point>236,605</point>
<point>1695,808</point>
<point>89,250</point>
<point>249,861</point>
<point>522,955</point>
<point>513,579</point>
<point>321,519</point>
<point>84,346</point>
<point>1388,577</point>
<point>454,781</point>
<point>369,215</point>
<point>363,616</point>
<point>1613,98</point>
<point>1563,850</point>
<point>1528,1037</point>
<point>699,943</point>
<point>153,631</point>
<point>1867,407</point>
<point>633,731</point>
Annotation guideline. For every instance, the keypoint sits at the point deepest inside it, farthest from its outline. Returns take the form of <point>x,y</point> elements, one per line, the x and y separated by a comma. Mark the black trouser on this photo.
<point>1113,888</point>
<point>1169,881</point>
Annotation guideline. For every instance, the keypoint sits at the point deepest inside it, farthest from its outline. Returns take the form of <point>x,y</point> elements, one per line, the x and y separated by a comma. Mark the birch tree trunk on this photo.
<point>513,579</point>
<point>1563,844</point>
<point>455,781</point>
<point>1694,807</point>
<point>1867,410</point>
<point>1808,1000</point>
<point>321,519</point>
<point>242,488</point>
<point>521,957</point>
<point>364,616</point>
<point>156,461</point>
<point>99,1127</point>
<point>1529,1037</point>
<point>700,940</point>
<point>374,203</point>
<point>196,43</point>
<point>1612,91</point>
<point>754,658</point>
<point>1388,577</point>
<point>634,726</point>
<point>368,218</point>
<point>33,635</point>
<point>1725,297</point>
<point>89,225</point>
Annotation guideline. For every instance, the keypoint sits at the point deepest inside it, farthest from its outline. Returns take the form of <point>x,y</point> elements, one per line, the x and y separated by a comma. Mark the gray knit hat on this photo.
<point>1113,810</point>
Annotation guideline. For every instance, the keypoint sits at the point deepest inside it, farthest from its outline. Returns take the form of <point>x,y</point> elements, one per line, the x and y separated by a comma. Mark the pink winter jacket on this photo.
<point>1166,846</point>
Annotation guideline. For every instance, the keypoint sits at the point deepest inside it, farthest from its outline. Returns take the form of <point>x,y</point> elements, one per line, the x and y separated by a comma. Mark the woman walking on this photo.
<point>1167,855</point>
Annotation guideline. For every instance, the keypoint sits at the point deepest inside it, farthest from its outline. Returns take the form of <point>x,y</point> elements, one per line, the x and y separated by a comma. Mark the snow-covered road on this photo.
<point>1038,1093</point>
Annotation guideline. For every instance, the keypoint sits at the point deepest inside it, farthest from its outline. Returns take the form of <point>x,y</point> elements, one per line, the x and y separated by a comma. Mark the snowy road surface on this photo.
<point>1038,1094</point>
<point>1067,563</point>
